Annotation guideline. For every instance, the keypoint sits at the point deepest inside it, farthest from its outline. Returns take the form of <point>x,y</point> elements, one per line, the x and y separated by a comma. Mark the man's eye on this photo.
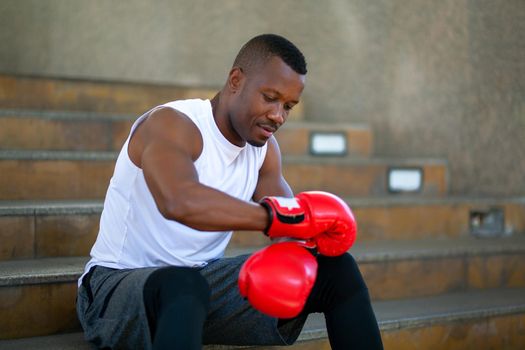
<point>269,98</point>
<point>288,107</point>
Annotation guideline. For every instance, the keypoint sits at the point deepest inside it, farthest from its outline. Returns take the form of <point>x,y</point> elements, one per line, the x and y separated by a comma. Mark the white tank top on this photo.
<point>134,234</point>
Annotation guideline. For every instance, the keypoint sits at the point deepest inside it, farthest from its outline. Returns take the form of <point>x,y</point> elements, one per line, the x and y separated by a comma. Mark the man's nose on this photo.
<point>277,114</point>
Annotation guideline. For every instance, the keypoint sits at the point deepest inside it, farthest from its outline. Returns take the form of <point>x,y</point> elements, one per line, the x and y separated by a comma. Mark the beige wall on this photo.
<point>433,78</point>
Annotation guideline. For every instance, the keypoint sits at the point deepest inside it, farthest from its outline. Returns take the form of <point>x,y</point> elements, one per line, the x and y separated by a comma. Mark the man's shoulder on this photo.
<point>190,107</point>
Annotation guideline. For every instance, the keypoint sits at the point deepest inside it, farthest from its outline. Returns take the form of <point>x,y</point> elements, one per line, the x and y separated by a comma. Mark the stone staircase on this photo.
<point>434,285</point>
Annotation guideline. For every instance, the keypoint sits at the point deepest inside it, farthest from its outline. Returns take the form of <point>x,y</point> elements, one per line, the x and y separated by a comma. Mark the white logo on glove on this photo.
<point>288,203</point>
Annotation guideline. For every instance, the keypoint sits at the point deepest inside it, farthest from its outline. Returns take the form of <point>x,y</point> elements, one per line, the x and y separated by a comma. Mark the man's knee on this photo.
<point>170,283</point>
<point>338,279</point>
<point>342,272</point>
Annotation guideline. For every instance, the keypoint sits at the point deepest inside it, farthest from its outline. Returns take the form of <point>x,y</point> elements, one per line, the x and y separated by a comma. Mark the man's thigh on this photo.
<point>231,319</point>
<point>115,316</point>
<point>111,308</point>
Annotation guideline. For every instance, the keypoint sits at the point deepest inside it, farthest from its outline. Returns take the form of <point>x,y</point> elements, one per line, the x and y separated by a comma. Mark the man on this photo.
<point>191,172</point>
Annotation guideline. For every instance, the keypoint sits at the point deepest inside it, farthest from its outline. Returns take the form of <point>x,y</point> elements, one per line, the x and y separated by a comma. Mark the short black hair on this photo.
<point>262,47</point>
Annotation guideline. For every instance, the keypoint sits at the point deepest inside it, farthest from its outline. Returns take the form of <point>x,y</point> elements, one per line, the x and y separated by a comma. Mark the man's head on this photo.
<point>265,82</point>
<point>260,48</point>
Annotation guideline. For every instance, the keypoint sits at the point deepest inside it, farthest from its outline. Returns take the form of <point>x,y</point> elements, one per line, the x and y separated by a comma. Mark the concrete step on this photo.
<point>55,174</point>
<point>405,217</point>
<point>481,319</point>
<point>23,92</point>
<point>422,267</point>
<point>75,175</point>
<point>63,130</point>
<point>41,292</point>
<point>47,229</point>
<point>88,131</point>
<point>37,297</point>
<point>295,138</point>
<point>361,177</point>
<point>69,228</point>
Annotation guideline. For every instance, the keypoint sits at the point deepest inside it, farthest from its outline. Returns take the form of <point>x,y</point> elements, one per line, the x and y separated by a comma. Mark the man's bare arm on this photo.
<point>165,146</point>
<point>271,181</point>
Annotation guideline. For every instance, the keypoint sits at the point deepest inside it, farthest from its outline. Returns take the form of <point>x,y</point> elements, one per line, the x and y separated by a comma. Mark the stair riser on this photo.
<point>426,221</point>
<point>54,179</point>
<point>56,94</point>
<point>416,221</point>
<point>41,235</point>
<point>17,236</point>
<point>358,179</point>
<point>495,332</point>
<point>503,332</point>
<point>86,179</point>
<point>46,134</point>
<point>432,276</point>
<point>37,310</point>
<point>295,141</point>
<point>30,133</point>
<point>78,95</point>
<point>50,307</point>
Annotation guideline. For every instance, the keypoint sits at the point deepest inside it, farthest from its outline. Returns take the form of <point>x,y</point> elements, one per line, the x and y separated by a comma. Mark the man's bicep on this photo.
<point>167,166</point>
<point>271,180</point>
<point>167,159</point>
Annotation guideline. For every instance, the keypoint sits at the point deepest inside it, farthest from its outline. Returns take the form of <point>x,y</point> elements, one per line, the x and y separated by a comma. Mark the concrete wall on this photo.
<point>433,78</point>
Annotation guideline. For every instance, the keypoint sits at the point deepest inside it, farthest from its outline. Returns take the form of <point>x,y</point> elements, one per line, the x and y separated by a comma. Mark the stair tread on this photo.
<point>415,200</point>
<point>365,251</point>
<point>47,93</point>
<point>64,115</point>
<point>31,207</point>
<point>68,269</point>
<point>44,270</point>
<point>415,312</point>
<point>306,159</point>
<point>57,155</point>
<point>427,248</point>
<point>322,126</point>
<point>85,174</point>
<point>379,160</point>
<point>52,207</point>
<point>90,115</point>
<point>391,315</point>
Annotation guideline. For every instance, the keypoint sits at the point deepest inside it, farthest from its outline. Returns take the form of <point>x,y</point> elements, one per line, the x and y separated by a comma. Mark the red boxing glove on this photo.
<point>320,217</point>
<point>277,280</point>
<point>338,239</point>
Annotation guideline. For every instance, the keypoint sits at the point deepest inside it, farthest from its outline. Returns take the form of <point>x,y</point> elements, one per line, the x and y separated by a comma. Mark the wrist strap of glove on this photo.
<point>269,209</point>
<point>285,210</point>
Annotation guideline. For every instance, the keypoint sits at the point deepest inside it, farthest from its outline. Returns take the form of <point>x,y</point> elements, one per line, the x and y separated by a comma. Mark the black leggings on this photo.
<point>178,298</point>
<point>342,295</point>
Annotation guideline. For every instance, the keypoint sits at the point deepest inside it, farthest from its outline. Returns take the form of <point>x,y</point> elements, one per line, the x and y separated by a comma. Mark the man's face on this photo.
<point>265,97</point>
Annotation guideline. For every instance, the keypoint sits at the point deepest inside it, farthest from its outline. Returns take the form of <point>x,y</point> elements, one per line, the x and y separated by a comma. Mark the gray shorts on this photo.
<point>113,315</point>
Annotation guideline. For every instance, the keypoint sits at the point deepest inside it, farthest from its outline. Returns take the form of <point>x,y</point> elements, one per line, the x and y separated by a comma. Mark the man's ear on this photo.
<point>235,79</point>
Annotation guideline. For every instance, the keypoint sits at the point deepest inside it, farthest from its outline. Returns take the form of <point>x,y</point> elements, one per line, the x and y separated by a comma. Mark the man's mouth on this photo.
<point>268,130</point>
